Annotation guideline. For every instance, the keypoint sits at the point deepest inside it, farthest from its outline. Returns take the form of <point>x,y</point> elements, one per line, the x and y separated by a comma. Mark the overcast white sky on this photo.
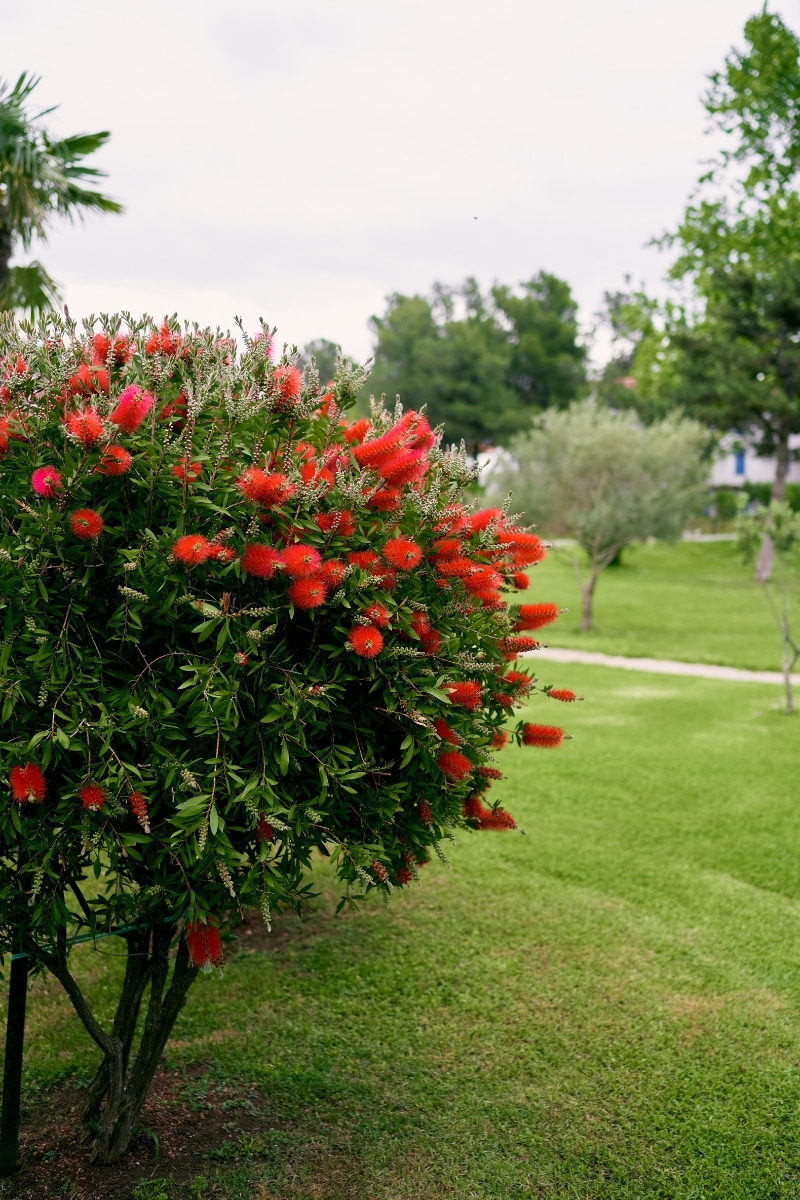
<point>300,160</point>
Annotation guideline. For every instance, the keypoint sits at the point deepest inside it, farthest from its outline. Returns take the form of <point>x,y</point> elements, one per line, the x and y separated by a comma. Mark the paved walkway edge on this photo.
<point>658,666</point>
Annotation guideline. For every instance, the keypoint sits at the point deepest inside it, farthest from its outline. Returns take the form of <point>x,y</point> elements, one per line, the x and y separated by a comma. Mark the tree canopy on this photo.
<point>481,363</point>
<point>41,178</point>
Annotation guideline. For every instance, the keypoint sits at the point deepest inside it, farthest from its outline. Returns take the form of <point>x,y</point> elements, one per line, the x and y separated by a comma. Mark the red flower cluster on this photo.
<point>454,765</point>
<point>535,616</point>
<point>366,640</point>
<point>92,796</point>
<point>86,524</point>
<point>46,482</point>
<point>546,736</point>
<point>115,461</point>
<point>264,831</point>
<point>192,548</point>
<point>445,732</point>
<point>138,806</point>
<point>132,407</point>
<point>467,694</point>
<point>204,944</point>
<point>86,425</point>
<point>269,489</point>
<point>308,592</point>
<point>402,553</point>
<point>563,694</point>
<point>27,784</point>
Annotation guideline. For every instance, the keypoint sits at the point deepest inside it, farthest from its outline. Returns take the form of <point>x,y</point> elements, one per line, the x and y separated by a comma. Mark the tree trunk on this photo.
<point>766,555</point>
<point>587,595</point>
<point>6,247</point>
<point>118,1091</point>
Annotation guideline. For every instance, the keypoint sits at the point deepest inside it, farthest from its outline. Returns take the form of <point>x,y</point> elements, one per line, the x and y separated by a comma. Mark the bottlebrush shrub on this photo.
<point>236,629</point>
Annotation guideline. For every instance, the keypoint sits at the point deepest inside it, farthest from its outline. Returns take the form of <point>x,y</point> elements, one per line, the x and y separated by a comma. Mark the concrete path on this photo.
<point>659,666</point>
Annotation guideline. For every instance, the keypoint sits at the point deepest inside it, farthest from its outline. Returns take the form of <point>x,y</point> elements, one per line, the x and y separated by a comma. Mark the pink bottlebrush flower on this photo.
<point>402,553</point>
<point>27,783</point>
<point>454,765</point>
<point>46,481</point>
<point>133,405</point>
<point>260,560</point>
<point>308,592</point>
<point>115,461</point>
<point>546,736</point>
<point>86,425</point>
<point>92,796</point>
<point>86,524</point>
<point>365,640</point>
<point>191,549</point>
<point>300,562</point>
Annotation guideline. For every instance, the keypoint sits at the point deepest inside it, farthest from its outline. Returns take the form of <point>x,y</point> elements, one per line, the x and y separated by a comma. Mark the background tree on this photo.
<point>607,480</point>
<point>782,526</point>
<point>236,629</point>
<point>548,360</point>
<point>41,178</point>
<point>480,363</point>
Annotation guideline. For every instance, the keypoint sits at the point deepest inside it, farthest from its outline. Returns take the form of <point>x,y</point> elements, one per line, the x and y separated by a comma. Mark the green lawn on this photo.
<point>693,601</point>
<point>606,1008</point>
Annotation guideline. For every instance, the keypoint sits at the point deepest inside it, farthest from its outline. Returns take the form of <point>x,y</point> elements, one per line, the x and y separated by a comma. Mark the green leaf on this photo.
<point>284,760</point>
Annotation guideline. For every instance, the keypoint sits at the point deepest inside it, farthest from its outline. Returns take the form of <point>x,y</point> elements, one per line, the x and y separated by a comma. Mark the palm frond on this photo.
<point>29,288</point>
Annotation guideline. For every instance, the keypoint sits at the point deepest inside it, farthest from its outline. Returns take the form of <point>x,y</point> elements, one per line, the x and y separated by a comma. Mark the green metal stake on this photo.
<point>12,1071</point>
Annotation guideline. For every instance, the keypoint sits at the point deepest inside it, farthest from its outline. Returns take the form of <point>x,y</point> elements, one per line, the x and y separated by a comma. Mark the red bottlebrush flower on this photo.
<point>402,553</point>
<point>264,831</point>
<point>425,814</point>
<point>546,736</point>
<point>46,481</point>
<point>288,381</point>
<point>503,699</point>
<point>445,732</point>
<point>500,739</point>
<point>164,341</point>
<point>332,571</point>
<point>92,796</point>
<point>467,693</point>
<point>369,454</point>
<point>311,473</point>
<point>474,809</point>
<point>190,471</point>
<point>431,642</point>
<point>479,520</point>
<point>454,521</point>
<point>340,523</point>
<point>458,567</point>
<point>521,682</point>
<point>27,784</point>
<point>115,461</point>
<point>138,806</point>
<point>301,562</point>
<point>482,579</point>
<point>222,554</point>
<point>365,640</point>
<point>265,489</point>
<point>497,819</point>
<point>192,548</point>
<point>447,548</point>
<point>402,876</point>
<point>520,581</point>
<point>87,380</point>
<point>525,548</point>
<point>420,623</point>
<point>259,560</point>
<point>363,558</point>
<point>562,694</point>
<point>512,646</point>
<point>386,580</point>
<point>174,411</point>
<point>379,871</point>
<point>308,592</point>
<point>385,500</point>
<point>405,466</point>
<point>86,425</point>
<point>204,945</point>
<point>121,351</point>
<point>86,524</point>
<point>132,407</point>
<point>357,431</point>
<point>490,773</point>
<point>535,616</point>
<point>454,765</point>
<point>378,614</point>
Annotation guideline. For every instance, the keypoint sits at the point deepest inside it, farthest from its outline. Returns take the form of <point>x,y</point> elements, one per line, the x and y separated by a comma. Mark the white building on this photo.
<point>737,464</point>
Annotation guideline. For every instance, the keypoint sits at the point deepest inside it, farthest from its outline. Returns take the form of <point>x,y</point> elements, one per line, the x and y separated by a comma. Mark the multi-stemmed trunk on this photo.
<point>119,1089</point>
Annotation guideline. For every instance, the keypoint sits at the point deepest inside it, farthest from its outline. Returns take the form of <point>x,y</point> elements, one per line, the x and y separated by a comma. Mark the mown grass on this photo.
<point>693,601</point>
<point>608,1007</point>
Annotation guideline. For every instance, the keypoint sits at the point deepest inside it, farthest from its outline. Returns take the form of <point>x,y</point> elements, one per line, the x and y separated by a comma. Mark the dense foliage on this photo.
<point>236,630</point>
